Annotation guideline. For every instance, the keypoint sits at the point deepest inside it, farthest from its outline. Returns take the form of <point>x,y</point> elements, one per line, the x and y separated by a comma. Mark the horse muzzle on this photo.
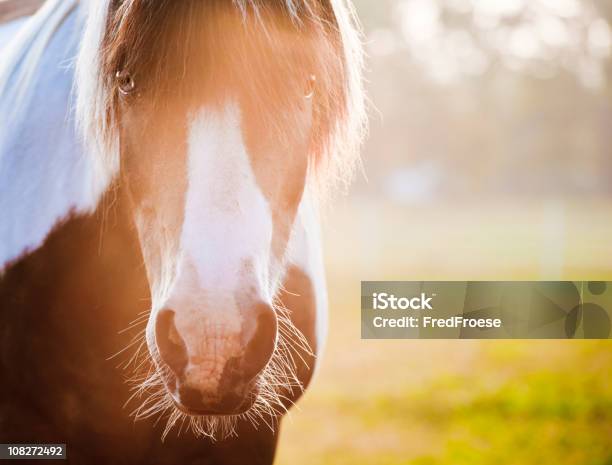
<point>211,367</point>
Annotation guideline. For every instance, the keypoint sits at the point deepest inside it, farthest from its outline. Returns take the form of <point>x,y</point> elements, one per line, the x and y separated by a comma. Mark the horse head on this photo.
<point>216,118</point>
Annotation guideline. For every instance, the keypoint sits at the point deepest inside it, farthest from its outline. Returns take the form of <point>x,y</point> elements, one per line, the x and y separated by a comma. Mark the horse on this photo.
<point>163,167</point>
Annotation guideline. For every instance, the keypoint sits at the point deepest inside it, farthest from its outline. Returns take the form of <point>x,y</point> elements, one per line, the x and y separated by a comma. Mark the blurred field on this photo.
<point>457,402</point>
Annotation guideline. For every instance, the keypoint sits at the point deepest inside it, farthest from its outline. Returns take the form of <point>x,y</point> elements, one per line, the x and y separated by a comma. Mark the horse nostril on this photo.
<point>190,398</point>
<point>170,345</point>
<point>261,345</point>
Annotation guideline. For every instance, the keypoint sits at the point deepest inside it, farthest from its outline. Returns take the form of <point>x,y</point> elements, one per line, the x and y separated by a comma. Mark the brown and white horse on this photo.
<point>161,163</point>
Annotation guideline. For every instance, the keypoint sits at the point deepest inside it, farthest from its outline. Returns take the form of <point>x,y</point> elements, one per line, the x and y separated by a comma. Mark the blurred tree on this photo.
<point>490,97</point>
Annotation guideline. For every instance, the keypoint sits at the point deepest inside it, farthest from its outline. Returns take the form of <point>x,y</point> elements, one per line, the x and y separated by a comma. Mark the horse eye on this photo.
<point>125,83</point>
<point>311,83</point>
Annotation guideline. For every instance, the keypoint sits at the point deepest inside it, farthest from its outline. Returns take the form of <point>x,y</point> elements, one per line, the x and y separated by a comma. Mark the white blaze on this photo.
<point>227,218</point>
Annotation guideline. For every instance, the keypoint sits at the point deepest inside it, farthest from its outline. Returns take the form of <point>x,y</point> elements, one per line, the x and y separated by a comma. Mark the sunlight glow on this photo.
<point>498,8</point>
<point>539,37</point>
<point>600,39</point>
<point>420,19</point>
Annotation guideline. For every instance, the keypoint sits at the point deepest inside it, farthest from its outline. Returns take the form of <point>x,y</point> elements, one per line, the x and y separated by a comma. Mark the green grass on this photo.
<point>557,410</point>
<point>456,402</point>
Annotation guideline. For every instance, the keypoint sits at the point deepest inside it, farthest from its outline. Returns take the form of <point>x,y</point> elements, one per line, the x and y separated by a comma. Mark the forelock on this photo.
<point>145,36</point>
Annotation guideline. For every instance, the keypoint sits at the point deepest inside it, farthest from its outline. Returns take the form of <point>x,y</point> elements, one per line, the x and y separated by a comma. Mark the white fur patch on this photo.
<point>227,218</point>
<point>44,171</point>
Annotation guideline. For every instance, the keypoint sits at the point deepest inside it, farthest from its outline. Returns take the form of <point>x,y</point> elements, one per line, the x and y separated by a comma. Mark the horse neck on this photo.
<point>44,175</point>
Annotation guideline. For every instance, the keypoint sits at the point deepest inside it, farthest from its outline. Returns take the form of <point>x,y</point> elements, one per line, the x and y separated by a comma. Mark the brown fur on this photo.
<point>13,9</point>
